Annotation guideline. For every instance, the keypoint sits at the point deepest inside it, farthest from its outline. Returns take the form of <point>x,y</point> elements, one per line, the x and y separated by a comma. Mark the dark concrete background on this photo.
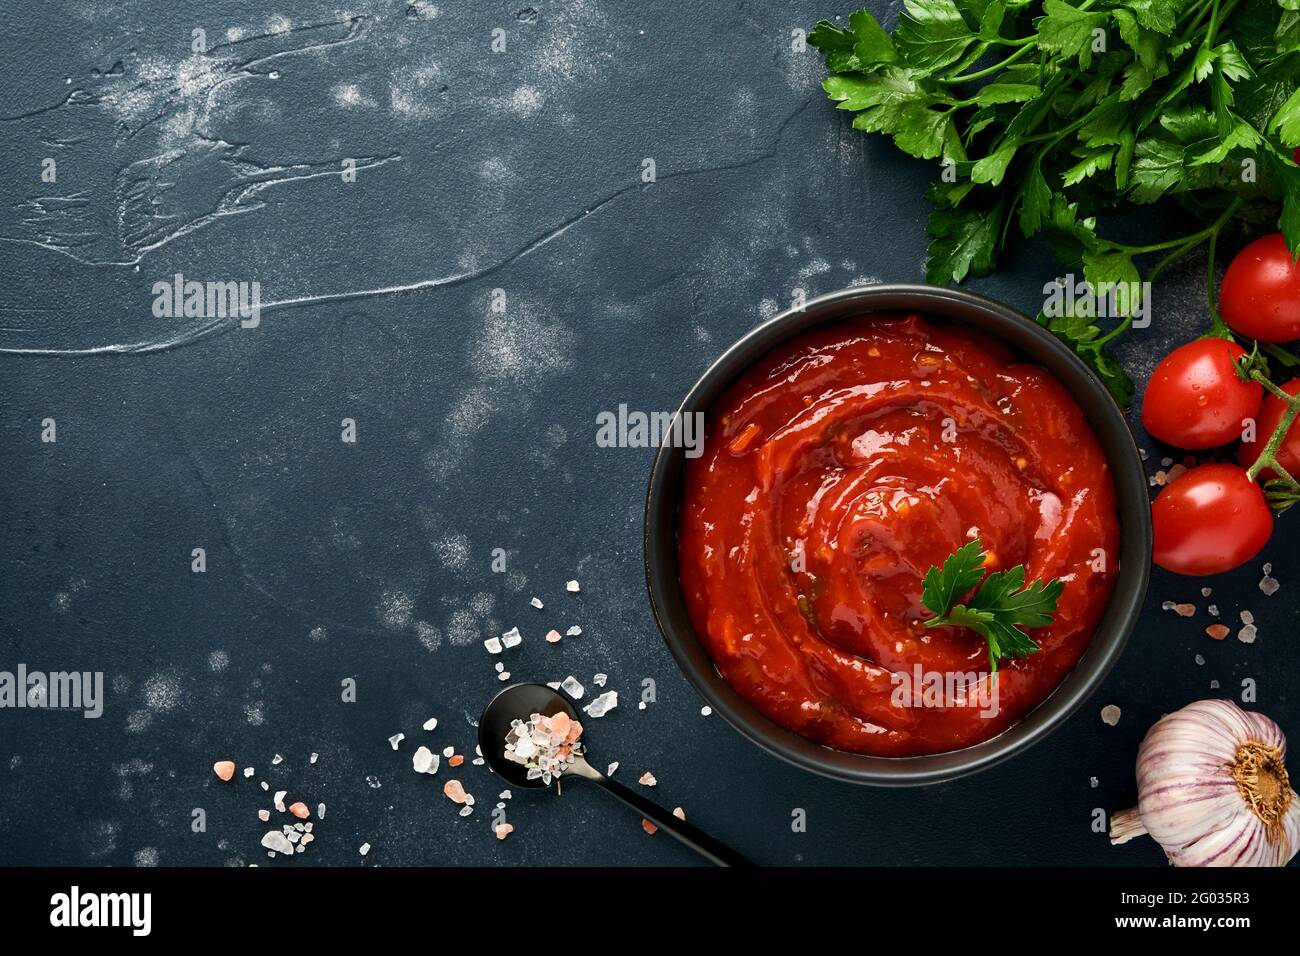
<point>517,171</point>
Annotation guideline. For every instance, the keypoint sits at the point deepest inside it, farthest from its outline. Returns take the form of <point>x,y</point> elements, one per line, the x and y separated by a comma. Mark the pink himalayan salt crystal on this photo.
<point>454,791</point>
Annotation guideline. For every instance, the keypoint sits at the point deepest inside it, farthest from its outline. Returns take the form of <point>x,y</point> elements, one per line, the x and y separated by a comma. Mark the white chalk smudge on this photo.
<point>430,637</point>
<point>394,610</point>
<point>526,101</point>
<point>349,96</point>
<point>163,692</point>
<point>453,551</point>
<point>462,628</point>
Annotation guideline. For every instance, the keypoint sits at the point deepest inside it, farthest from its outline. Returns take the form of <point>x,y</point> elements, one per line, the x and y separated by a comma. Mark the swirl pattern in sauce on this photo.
<point>835,472</point>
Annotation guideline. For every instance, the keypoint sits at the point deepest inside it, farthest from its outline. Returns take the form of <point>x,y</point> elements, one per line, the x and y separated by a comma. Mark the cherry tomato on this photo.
<point>1195,398</point>
<point>1211,519</point>
<point>1260,295</point>
<point>1270,413</point>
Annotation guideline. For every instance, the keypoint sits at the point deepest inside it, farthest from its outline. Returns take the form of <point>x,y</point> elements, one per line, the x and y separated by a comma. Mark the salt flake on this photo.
<point>602,705</point>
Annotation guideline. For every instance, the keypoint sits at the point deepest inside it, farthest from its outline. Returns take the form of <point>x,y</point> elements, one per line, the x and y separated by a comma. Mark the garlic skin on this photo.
<point>1213,789</point>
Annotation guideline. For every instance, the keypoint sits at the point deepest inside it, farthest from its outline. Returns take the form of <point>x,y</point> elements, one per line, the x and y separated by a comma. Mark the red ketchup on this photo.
<point>836,471</point>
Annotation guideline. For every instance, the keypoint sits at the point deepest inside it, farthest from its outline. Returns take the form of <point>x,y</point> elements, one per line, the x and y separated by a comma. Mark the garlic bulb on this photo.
<point>1213,789</point>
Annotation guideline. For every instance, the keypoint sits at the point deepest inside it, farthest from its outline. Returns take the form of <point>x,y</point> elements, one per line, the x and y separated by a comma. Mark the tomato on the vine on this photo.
<point>1195,398</point>
<point>1260,294</point>
<point>1211,519</point>
<point>1270,416</point>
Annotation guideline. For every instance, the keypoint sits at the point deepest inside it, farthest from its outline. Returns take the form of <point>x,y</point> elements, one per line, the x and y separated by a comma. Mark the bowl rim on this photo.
<point>1028,339</point>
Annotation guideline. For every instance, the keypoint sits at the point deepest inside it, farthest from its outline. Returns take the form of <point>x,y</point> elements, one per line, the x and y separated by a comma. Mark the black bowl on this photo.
<point>1033,343</point>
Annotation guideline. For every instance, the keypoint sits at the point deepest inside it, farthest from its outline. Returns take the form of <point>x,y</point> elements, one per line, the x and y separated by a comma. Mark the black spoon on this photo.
<point>520,702</point>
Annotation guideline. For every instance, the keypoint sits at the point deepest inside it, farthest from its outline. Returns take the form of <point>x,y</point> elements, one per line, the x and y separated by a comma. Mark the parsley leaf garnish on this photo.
<point>999,610</point>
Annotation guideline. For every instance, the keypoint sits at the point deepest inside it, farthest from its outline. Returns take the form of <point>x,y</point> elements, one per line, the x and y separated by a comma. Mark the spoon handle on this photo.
<point>693,837</point>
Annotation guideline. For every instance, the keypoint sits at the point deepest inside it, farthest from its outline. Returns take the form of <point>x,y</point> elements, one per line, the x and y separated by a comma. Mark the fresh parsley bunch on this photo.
<point>1045,113</point>
<point>998,611</point>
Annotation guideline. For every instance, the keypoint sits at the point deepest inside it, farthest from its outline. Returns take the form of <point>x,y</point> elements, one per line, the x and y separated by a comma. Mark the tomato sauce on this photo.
<point>835,472</point>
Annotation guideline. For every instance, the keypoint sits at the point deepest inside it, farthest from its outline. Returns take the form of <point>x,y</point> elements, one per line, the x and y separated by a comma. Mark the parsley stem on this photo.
<point>1213,9</point>
<point>1029,43</point>
<point>1024,44</point>
<point>1180,248</point>
<point>1169,260</point>
<point>1195,239</point>
<point>1218,328</point>
<point>1116,332</point>
<point>1213,27</point>
<point>1200,8</point>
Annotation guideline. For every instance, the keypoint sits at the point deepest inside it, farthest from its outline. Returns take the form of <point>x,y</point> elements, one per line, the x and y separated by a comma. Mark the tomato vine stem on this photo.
<point>1268,457</point>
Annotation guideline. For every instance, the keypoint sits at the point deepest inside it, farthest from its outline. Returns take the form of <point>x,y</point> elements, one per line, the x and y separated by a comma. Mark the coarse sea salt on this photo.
<point>511,638</point>
<point>573,631</point>
<point>602,705</point>
<point>277,842</point>
<point>537,603</point>
<point>571,687</point>
<point>395,741</point>
<point>545,745</point>
<point>493,645</point>
<point>573,587</point>
<point>424,761</point>
<point>431,723</point>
